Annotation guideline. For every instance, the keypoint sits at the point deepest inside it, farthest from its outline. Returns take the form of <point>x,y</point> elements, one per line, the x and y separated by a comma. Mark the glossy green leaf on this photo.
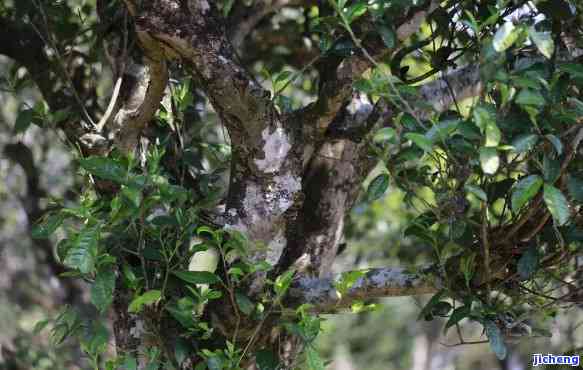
<point>377,187</point>
<point>384,134</point>
<point>551,169</point>
<point>489,160</point>
<point>493,134</point>
<point>530,97</point>
<point>82,253</point>
<point>23,120</point>
<point>525,190</point>
<point>557,144</point>
<point>387,35</point>
<point>104,168</point>
<point>557,204</point>
<point>148,298</point>
<point>505,36</point>
<point>420,140</point>
<point>282,282</point>
<point>456,316</point>
<point>477,191</point>
<point>244,303</point>
<point>575,187</point>
<point>484,114</point>
<point>524,143</point>
<point>543,41</point>
<point>103,288</point>
<point>528,263</point>
<point>48,226</point>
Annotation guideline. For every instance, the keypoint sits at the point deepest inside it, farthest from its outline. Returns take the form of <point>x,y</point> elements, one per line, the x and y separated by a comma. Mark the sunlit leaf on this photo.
<point>524,143</point>
<point>148,298</point>
<point>543,41</point>
<point>525,190</point>
<point>489,160</point>
<point>420,140</point>
<point>557,204</point>
<point>477,191</point>
<point>505,36</point>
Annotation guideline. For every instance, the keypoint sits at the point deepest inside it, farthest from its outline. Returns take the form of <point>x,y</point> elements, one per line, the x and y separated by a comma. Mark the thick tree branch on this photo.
<point>336,87</point>
<point>323,294</point>
<point>244,19</point>
<point>464,83</point>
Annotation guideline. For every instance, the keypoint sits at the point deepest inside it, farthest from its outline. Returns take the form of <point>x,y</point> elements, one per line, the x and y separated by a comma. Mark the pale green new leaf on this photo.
<point>489,160</point>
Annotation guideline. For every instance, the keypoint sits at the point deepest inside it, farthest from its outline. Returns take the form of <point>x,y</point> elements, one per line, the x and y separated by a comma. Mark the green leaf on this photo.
<point>496,340</point>
<point>387,35</point>
<point>39,326</point>
<point>282,282</point>
<point>530,97</point>
<point>484,114</point>
<point>528,263</point>
<point>104,168</point>
<point>505,36</point>
<point>493,134</point>
<point>314,360</point>
<point>575,70</point>
<point>426,311</point>
<point>525,190</point>
<point>557,204</point>
<point>556,143</point>
<point>266,360</point>
<point>244,303</point>
<point>456,316</point>
<point>377,187</point>
<point>48,226</point>
<point>575,187</point>
<point>197,277</point>
<point>524,143</point>
<point>551,169</point>
<point>384,134</point>
<point>543,41</point>
<point>442,130</point>
<point>477,191</point>
<point>355,11</point>
<point>82,253</point>
<point>420,140</point>
<point>23,120</point>
<point>489,160</point>
<point>103,288</point>
<point>146,299</point>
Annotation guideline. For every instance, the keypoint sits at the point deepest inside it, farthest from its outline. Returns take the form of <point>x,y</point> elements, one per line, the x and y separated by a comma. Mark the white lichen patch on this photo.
<point>275,248</point>
<point>389,277</point>
<point>275,149</point>
<point>137,330</point>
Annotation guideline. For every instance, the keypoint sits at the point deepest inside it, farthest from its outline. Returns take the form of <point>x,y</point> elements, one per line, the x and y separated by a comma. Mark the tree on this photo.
<point>215,249</point>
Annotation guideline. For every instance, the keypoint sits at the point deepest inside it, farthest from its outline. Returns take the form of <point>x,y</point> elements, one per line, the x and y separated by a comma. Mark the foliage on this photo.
<point>496,180</point>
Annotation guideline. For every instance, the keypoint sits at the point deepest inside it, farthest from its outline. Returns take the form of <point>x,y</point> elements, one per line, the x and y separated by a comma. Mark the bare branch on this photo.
<point>464,82</point>
<point>376,283</point>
